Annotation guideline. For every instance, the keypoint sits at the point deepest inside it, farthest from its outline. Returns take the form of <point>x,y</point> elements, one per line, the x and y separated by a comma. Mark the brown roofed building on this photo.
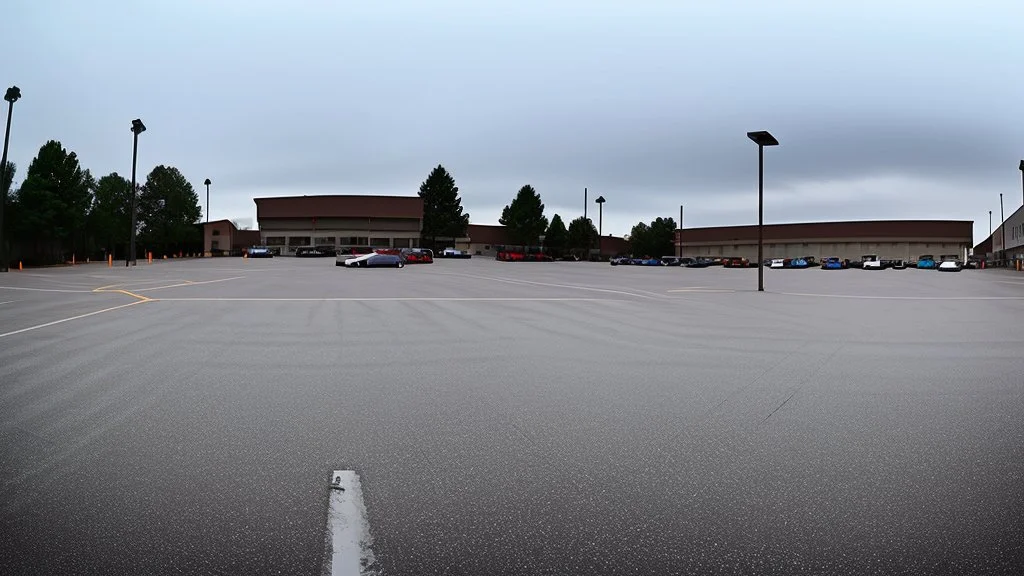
<point>223,237</point>
<point>342,221</point>
<point>890,239</point>
<point>483,239</point>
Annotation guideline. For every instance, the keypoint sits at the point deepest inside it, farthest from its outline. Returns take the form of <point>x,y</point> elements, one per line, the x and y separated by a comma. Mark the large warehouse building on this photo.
<point>895,239</point>
<point>289,222</point>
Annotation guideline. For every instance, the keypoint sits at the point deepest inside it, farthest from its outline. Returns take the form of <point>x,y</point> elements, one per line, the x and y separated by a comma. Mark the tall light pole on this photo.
<point>1002,224</point>
<point>680,230</point>
<point>12,95</point>
<point>1022,178</point>
<point>584,203</point>
<point>137,128</point>
<point>990,223</point>
<point>207,182</point>
<point>762,139</point>
<point>600,224</point>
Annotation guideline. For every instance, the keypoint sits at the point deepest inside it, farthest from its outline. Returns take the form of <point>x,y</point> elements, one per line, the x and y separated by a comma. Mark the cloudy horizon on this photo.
<point>882,111</point>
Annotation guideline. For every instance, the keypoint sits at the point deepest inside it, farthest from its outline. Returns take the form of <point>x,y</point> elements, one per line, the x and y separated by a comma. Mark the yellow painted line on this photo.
<point>61,321</point>
<point>43,289</point>
<point>120,291</point>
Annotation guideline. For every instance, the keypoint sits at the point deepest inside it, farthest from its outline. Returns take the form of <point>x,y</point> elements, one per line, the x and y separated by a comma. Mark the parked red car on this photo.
<point>417,255</point>
<point>735,262</point>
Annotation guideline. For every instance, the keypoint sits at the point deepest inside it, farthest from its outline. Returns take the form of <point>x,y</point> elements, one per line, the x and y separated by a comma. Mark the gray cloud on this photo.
<point>883,110</point>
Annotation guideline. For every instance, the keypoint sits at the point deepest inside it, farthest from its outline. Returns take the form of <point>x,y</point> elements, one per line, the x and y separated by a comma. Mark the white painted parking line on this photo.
<point>396,299</point>
<point>856,297</point>
<point>189,283</point>
<point>61,321</point>
<point>350,541</point>
<point>552,285</point>
<point>8,302</point>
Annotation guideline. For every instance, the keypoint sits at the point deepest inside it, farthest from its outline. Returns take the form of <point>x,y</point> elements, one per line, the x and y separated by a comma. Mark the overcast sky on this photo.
<point>884,109</point>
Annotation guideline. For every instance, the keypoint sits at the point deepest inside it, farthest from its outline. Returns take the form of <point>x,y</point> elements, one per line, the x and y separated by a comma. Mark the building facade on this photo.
<point>484,240</point>
<point>289,222</point>
<point>223,237</point>
<point>890,239</point>
<point>993,247</point>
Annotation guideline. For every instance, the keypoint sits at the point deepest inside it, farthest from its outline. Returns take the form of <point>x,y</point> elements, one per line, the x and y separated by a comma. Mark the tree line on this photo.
<point>61,211</point>
<point>525,222</point>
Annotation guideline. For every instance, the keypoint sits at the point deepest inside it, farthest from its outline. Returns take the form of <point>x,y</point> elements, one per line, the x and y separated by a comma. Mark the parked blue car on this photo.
<point>833,263</point>
<point>798,263</point>
<point>926,261</point>
<point>651,262</point>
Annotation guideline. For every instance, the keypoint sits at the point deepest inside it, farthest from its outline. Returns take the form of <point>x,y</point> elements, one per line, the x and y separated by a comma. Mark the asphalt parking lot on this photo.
<point>512,418</point>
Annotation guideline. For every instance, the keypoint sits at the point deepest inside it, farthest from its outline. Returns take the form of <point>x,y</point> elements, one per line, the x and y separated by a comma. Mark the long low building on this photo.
<point>288,222</point>
<point>895,239</point>
<point>485,239</point>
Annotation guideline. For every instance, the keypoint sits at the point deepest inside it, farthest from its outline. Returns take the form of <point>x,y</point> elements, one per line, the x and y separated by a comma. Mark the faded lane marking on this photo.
<point>853,297</point>
<point>86,291</point>
<point>8,302</point>
<point>189,283</point>
<point>394,299</point>
<point>55,322</point>
<point>350,542</point>
<point>552,285</point>
<point>701,290</point>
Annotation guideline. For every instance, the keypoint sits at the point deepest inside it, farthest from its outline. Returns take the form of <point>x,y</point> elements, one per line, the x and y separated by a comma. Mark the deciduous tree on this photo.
<point>110,217</point>
<point>54,201</point>
<point>581,235</point>
<point>168,210</point>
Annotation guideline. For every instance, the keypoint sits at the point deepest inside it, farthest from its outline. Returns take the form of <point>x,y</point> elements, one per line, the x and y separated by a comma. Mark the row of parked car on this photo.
<point>946,263</point>
<point>394,257</point>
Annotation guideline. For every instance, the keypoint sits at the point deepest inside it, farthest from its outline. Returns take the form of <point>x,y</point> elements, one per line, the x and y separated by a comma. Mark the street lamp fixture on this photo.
<point>11,96</point>
<point>137,128</point>
<point>207,183</point>
<point>1021,177</point>
<point>600,226</point>
<point>761,138</point>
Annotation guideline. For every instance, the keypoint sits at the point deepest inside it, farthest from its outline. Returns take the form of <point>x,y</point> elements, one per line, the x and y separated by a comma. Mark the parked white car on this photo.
<point>777,263</point>
<point>871,262</point>
<point>950,263</point>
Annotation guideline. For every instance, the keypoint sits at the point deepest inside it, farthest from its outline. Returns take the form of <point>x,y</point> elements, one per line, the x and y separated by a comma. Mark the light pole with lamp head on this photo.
<point>600,226</point>
<point>1022,178</point>
<point>137,128</point>
<point>680,230</point>
<point>762,139</point>
<point>1002,226</point>
<point>12,95</point>
<point>207,183</point>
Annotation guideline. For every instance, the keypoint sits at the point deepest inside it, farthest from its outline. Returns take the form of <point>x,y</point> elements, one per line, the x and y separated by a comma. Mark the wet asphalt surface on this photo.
<point>563,418</point>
